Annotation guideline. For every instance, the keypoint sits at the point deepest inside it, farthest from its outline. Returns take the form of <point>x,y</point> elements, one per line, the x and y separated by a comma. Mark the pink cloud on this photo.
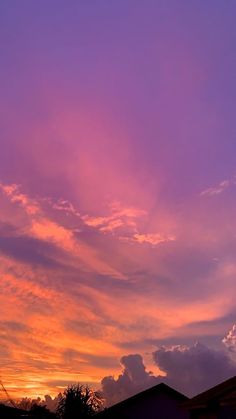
<point>15,196</point>
<point>230,339</point>
<point>153,239</point>
<point>125,222</point>
<point>43,228</point>
<point>120,216</point>
<point>218,189</point>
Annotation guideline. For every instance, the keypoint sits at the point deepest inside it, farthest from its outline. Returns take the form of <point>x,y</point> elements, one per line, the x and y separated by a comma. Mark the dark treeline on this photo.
<point>76,402</point>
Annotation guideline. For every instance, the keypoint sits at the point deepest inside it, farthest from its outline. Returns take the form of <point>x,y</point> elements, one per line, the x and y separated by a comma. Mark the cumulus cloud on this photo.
<point>194,369</point>
<point>188,369</point>
<point>134,378</point>
<point>230,339</point>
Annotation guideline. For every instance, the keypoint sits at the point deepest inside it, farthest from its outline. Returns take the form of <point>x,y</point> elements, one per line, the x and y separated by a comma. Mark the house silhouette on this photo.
<point>218,402</point>
<point>163,402</point>
<point>158,402</point>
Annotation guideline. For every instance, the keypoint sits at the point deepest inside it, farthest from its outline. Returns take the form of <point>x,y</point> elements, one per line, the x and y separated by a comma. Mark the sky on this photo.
<point>117,194</point>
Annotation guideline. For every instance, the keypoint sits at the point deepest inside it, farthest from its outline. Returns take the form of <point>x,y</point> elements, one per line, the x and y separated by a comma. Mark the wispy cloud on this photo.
<point>153,239</point>
<point>125,222</point>
<point>13,192</point>
<point>218,189</point>
<point>77,304</point>
<point>65,206</point>
<point>120,217</point>
<point>104,238</point>
<point>42,227</point>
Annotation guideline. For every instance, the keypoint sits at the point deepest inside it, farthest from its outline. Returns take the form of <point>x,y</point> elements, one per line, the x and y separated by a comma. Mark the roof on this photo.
<point>153,391</point>
<point>221,392</point>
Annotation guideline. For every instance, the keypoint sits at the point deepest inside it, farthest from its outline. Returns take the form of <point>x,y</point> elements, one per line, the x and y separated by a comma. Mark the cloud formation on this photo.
<point>52,256</point>
<point>188,369</point>
<point>194,369</point>
<point>105,243</point>
<point>133,379</point>
<point>230,339</point>
<point>120,216</point>
<point>220,188</point>
<point>125,223</point>
<point>153,239</point>
<point>41,227</point>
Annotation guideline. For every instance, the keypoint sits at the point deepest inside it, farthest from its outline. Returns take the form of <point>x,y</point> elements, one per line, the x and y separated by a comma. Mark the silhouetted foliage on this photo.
<point>26,403</point>
<point>41,412</point>
<point>79,402</point>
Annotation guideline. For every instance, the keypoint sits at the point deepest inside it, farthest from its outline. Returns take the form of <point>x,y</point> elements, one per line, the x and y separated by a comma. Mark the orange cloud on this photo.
<point>59,312</point>
<point>153,239</point>
<point>44,228</point>
<point>36,333</point>
<point>120,216</point>
<point>127,218</point>
<point>14,194</point>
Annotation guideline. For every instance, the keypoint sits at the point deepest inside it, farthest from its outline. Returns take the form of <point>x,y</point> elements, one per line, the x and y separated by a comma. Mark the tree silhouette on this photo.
<point>26,403</point>
<point>79,402</point>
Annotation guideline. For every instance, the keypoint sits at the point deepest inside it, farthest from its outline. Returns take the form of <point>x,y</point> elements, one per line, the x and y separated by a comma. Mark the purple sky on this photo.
<point>118,190</point>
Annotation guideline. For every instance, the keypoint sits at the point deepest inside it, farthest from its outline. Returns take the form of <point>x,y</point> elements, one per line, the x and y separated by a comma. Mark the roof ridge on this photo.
<point>213,392</point>
<point>145,392</point>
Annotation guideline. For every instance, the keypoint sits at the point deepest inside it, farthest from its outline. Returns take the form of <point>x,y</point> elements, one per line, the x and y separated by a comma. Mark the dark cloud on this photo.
<point>194,369</point>
<point>29,250</point>
<point>133,379</point>
<point>188,369</point>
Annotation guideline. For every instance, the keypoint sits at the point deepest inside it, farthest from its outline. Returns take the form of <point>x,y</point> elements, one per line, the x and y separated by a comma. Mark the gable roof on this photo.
<point>152,391</point>
<point>222,391</point>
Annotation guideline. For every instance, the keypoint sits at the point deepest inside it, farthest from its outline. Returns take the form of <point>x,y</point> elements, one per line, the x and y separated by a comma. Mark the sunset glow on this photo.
<point>117,187</point>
